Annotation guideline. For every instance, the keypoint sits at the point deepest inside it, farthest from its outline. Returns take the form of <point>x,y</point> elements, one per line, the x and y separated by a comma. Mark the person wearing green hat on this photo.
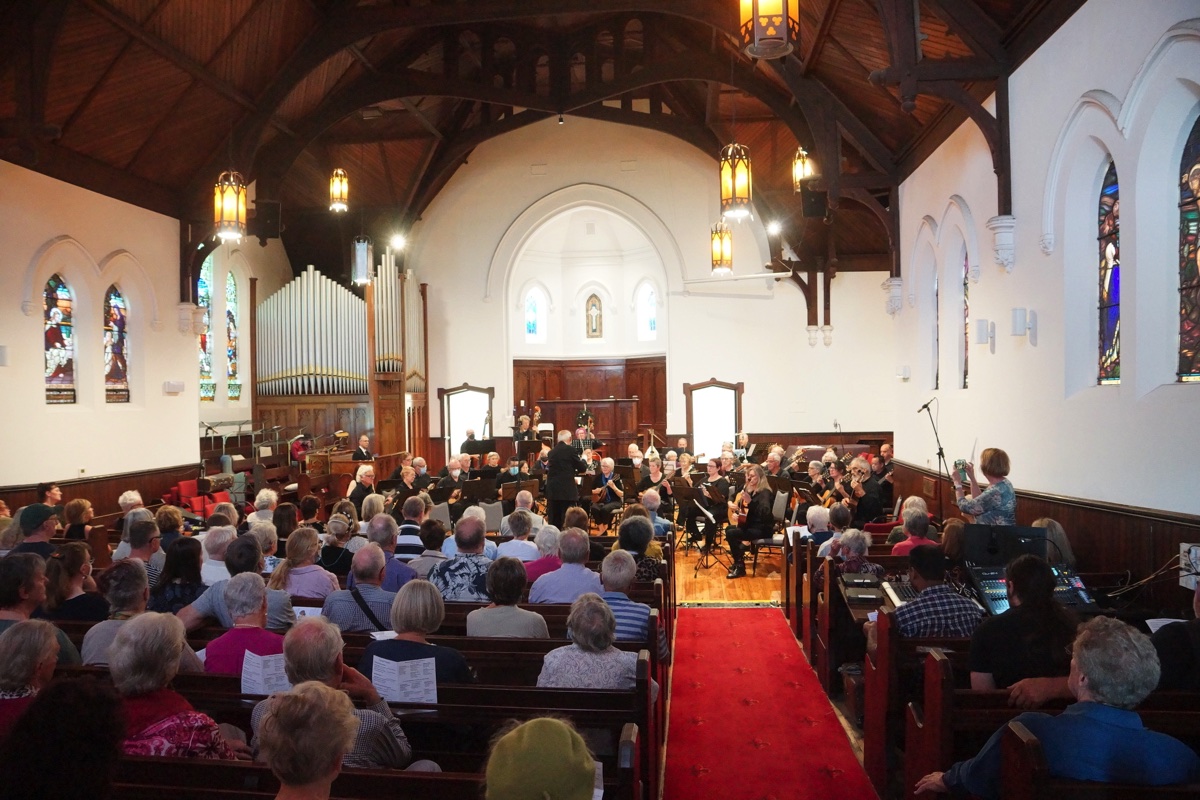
<point>38,522</point>
<point>539,759</point>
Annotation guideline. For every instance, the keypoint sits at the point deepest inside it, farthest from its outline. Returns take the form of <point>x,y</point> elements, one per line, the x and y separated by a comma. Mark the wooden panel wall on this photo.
<point>104,490</point>
<point>319,414</point>
<point>1105,537</point>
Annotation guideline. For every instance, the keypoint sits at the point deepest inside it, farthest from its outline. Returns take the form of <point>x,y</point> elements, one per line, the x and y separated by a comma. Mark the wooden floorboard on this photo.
<point>709,586</point>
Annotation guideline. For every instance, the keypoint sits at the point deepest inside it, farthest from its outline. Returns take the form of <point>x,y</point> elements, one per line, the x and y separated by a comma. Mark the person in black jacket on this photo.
<point>754,504</point>
<point>561,490</point>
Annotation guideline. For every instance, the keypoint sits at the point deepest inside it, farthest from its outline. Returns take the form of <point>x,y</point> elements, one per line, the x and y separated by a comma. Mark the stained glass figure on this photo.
<point>208,386</point>
<point>1189,259</point>
<point>58,313</point>
<point>531,315</point>
<point>647,313</point>
<point>116,347</point>
<point>1109,306</point>
<point>594,315</point>
<point>234,386</point>
<point>937,333</point>
<point>966,306</point>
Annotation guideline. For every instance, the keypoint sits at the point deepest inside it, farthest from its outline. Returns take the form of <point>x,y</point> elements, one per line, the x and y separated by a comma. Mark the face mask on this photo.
<point>420,470</point>
<point>637,462</point>
<point>454,473</point>
<point>513,470</point>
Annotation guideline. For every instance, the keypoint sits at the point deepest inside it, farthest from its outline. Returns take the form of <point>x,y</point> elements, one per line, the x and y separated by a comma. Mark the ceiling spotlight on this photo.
<point>560,119</point>
<point>398,241</point>
<point>774,228</point>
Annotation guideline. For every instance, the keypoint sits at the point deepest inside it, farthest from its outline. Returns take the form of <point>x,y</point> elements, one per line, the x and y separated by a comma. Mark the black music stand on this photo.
<point>529,449</point>
<point>710,556</point>
<point>481,490</point>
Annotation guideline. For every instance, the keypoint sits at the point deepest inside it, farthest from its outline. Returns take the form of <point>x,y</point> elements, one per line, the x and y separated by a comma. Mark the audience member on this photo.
<point>39,523</point>
<point>382,530</point>
<point>22,592</point>
<point>1058,551</point>
<point>268,542</point>
<point>520,524</point>
<point>285,519</point>
<point>914,501</point>
<point>916,528</point>
<point>432,535</point>
<point>299,575</point>
<point>264,506</point>
<point>70,591</point>
<point>366,606</point>
<point>335,556</point>
<point>490,548</point>
<point>78,514</point>
<point>546,542</point>
<point>524,501</point>
<point>244,556</point>
<point>310,511</point>
<point>505,585</point>
<point>464,577</point>
<point>216,542</point>
<point>417,612</point>
<point>1178,646</point>
<point>135,515</point>
<point>816,521</point>
<point>179,583</point>
<point>937,610</point>
<point>158,720</point>
<point>28,656</point>
<point>540,758</point>
<point>246,598</point>
<point>636,536</point>
<point>591,661</point>
<point>852,557</point>
<point>953,547</point>
<point>617,572</point>
<point>652,501</point>
<point>839,521</point>
<point>372,504</point>
<point>1099,738</point>
<point>144,544</point>
<point>408,537</point>
<point>169,520</point>
<point>128,501</point>
<point>573,578</point>
<point>306,735</point>
<point>995,505</point>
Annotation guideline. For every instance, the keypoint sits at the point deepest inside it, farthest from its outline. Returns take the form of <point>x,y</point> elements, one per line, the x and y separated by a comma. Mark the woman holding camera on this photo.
<point>995,505</point>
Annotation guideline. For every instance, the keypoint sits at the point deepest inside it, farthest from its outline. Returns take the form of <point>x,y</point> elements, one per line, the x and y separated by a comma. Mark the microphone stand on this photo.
<point>941,455</point>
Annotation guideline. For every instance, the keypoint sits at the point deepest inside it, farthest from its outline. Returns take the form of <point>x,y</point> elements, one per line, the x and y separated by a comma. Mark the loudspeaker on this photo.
<point>814,204</point>
<point>267,224</point>
<point>172,387</point>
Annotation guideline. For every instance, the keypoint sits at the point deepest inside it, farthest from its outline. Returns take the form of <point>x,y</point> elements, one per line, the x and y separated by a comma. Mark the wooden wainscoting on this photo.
<point>318,414</point>
<point>103,490</point>
<point>1105,537</point>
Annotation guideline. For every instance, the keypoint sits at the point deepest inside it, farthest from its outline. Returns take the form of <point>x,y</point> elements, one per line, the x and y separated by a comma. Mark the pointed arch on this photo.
<point>58,311</point>
<point>1189,258</point>
<point>204,301</point>
<point>646,300</point>
<point>1108,304</point>
<point>116,346</point>
<point>231,337</point>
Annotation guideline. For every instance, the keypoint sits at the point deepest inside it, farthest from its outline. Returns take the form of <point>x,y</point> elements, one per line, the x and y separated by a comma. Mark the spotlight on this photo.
<point>774,228</point>
<point>398,242</point>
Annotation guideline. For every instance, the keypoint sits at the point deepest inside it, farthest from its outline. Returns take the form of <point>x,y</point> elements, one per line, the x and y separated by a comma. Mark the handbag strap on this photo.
<point>358,598</point>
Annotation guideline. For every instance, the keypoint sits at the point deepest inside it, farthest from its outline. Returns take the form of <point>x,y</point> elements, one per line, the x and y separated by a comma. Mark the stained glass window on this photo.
<point>59,317</point>
<point>116,347</point>
<point>535,315</point>
<point>966,307</point>
<point>1109,236</point>
<point>231,337</point>
<point>208,387</point>
<point>937,332</point>
<point>1189,259</point>
<point>647,313</point>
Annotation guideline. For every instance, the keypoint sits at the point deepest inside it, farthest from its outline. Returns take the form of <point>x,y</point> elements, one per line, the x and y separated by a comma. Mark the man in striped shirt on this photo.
<point>633,619</point>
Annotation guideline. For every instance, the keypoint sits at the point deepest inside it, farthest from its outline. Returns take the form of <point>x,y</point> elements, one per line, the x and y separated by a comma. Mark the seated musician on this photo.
<point>868,504</point>
<point>839,482</point>
<point>1031,638</point>
<point>454,481</point>
<point>821,485</point>
<point>584,440</point>
<point>511,474</point>
<point>655,478</point>
<point>742,445</point>
<point>774,466</point>
<point>608,495</point>
<point>525,432</point>
<point>423,480</point>
<point>728,462</point>
<point>364,484</point>
<point>715,483</point>
<point>1099,737</point>
<point>752,511</point>
<point>937,610</point>
<point>883,479</point>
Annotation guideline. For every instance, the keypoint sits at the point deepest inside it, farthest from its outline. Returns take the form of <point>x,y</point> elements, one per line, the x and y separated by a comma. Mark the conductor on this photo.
<point>561,490</point>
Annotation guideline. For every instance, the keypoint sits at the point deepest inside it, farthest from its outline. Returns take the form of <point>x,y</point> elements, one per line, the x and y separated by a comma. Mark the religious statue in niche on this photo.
<point>594,314</point>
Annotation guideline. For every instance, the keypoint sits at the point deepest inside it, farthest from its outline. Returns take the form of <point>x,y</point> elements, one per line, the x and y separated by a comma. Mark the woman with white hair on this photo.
<point>28,656</point>
<point>304,736</point>
<point>246,599</point>
<point>135,515</point>
<point>548,560</point>
<point>158,720</point>
<point>590,661</point>
<point>364,484</point>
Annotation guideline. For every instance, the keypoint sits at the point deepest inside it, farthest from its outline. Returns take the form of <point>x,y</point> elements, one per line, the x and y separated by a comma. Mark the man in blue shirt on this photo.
<point>633,619</point>
<point>1098,738</point>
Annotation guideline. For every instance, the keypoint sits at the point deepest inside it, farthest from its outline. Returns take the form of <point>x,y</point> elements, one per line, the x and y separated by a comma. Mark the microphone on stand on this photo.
<point>927,405</point>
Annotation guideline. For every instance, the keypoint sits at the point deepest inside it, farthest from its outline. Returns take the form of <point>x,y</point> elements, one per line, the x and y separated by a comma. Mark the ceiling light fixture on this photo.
<point>339,191</point>
<point>803,168</point>
<point>229,206</point>
<point>769,28</point>
<point>722,249</point>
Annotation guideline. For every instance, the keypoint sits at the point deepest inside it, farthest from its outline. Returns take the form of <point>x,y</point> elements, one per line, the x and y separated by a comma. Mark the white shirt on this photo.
<point>213,571</point>
<point>518,548</point>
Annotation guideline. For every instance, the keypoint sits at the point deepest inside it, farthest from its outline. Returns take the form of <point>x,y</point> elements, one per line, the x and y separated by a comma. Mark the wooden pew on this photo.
<point>951,724</point>
<point>883,695</point>
<point>1026,776</point>
<point>330,488</point>
<point>805,605</point>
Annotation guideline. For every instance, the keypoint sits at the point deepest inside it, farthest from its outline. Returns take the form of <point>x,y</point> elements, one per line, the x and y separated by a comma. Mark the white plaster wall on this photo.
<point>473,236</point>
<point>1039,401</point>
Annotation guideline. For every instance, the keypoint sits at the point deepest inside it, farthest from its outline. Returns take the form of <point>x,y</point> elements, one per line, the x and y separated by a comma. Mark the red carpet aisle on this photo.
<point>748,718</point>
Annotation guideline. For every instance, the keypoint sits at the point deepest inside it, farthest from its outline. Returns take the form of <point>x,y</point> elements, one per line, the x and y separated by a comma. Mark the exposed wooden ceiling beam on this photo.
<point>812,55</point>
<point>409,105</point>
<point>974,27</point>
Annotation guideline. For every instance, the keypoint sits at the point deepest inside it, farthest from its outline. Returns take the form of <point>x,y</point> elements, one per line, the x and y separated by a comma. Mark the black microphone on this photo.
<point>927,405</point>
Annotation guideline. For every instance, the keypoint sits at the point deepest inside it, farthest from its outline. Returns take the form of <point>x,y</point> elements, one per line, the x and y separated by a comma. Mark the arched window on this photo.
<point>1189,259</point>
<point>60,342</point>
<point>593,315</point>
<point>937,334</point>
<point>208,387</point>
<point>647,313</point>
<point>536,308</point>
<point>116,347</point>
<point>966,314</point>
<point>1109,305</point>
<point>234,386</point>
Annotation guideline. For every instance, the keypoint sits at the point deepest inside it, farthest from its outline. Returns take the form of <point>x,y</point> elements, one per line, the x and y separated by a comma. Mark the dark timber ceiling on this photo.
<point>149,100</point>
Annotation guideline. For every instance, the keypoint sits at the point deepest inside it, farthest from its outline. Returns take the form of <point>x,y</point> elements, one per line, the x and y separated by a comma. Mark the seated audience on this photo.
<point>298,574</point>
<point>408,538</point>
<point>590,661</point>
<point>635,536</point>
<point>953,542</point>
<point>573,578</point>
<point>546,542</point>
<point>144,541</point>
<point>28,656</point>
<point>79,717</point>
<point>169,520</point>
<point>216,542</point>
<point>1099,738</point>
<point>937,610</point>
<point>916,529</point>
<point>1178,647</point>
<point>244,556</point>
<point>464,577</point>
<point>816,523</point>
<point>520,524</point>
<point>78,514</point>
<point>617,572</point>
<point>39,523</point>
<point>246,597</point>
<point>382,530</point>
<point>432,535</point>
<point>839,521</point>
<point>268,542</point>
<point>335,556</point>
<point>365,607</point>
<point>372,504</point>
<point>357,525</point>
<point>524,500</point>
<point>264,506</point>
<point>306,736</point>
<point>653,501</point>
<point>505,585</point>
<point>852,557</point>
<point>179,583</point>
<point>417,612</point>
<point>310,512</point>
<point>285,519</point>
<point>1058,551</point>
<point>159,721</point>
<point>135,515</point>
<point>70,591</point>
<point>911,502</point>
<point>231,513</point>
<point>22,592</point>
<point>490,548</point>
<point>1031,638</point>
<point>995,505</point>
<point>540,758</point>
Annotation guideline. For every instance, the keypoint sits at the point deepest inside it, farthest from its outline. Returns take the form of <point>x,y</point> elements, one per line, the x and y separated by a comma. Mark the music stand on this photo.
<point>534,487</point>
<point>779,483</point>
<point>480,490</point>
<point>711,555</point>
<point>440,494</point>
<point>530,448</point>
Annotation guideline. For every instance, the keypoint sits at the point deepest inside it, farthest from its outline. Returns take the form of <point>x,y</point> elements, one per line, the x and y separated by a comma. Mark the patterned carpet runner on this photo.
<point>748,719</point>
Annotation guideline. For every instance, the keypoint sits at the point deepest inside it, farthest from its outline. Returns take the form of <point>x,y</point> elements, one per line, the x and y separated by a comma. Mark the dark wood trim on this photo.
<point>103,490</point>
<point>738,389</point>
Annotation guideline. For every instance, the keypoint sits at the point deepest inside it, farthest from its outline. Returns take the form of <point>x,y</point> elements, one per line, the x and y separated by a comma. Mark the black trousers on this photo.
<point>738,540</point>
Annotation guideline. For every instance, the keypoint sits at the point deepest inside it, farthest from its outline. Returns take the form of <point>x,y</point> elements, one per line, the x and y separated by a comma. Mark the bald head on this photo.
<point>368,564</point>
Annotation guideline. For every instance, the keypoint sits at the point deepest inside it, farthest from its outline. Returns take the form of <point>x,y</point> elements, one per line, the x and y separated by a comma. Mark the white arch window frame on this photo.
<point>646,319</point>
<point>544,307</point>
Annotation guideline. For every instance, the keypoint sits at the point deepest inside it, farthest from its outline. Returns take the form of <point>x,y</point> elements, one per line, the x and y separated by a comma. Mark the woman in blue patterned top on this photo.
<point>995,505</point>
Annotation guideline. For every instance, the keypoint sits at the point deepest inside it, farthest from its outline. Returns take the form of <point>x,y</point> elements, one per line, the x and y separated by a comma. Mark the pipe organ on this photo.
<point>399,325</point>
<point>312,339</point>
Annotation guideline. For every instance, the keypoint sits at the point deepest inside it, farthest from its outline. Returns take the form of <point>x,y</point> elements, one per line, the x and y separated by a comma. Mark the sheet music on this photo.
<point>1155,624</point>
<point>598,786</point>
<point>379,636</point>
<point>307,611</point>
<point>795,532</point>
<point>202,654</point>
<point>405,681</point>
<point>263,674</point>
